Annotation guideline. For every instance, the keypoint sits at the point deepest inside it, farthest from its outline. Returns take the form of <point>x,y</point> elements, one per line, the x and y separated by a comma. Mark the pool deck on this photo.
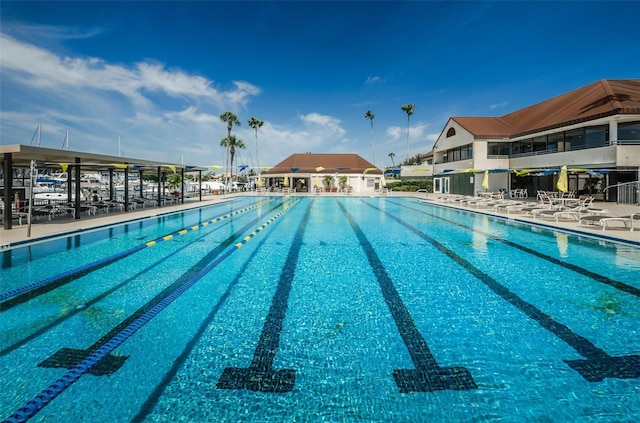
<point>42,229</point>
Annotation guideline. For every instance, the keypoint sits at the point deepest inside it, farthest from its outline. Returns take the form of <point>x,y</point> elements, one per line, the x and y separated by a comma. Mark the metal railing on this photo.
<point>627,192</point>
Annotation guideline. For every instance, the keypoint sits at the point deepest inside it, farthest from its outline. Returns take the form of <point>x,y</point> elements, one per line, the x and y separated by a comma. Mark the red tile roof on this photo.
<point>600,99</point>
<point>332,163</point>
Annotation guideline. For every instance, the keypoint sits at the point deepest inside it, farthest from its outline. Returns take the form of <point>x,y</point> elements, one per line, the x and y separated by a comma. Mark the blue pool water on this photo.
<point>321,309</point>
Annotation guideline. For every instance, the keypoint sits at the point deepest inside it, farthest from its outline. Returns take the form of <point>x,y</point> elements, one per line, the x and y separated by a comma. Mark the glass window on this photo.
<point>575,139</point>
<point>629,131</point>
<point>540,143</point>
<point>596,136</point>
<point>451,132</point>
<point>516,148</point>
<point>468,149</point>
<point>555,142</point>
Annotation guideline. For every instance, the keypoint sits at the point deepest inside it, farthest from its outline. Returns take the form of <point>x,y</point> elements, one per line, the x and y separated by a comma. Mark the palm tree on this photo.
<point>408,109</point>
<point>391,156</point>
<point>229,118</point>
<point>255,123</point>
<point>232,143</point>
<point>369,115</point>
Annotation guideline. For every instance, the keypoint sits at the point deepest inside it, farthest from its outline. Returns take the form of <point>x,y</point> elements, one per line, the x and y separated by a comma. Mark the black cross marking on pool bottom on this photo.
<point>598,364</point>
<point>260,375</point>
<point>68,358</point>
<point>428,376</point>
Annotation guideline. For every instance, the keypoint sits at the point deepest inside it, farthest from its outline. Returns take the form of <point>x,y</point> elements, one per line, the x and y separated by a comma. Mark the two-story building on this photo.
<point>593,130</point>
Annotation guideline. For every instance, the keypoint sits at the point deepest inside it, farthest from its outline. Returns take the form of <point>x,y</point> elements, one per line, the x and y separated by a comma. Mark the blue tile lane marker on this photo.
<point>598,364</point>
<point>260,375</point>
<point>32,407</point>
<point>23,294</point>
<point>428,376</point>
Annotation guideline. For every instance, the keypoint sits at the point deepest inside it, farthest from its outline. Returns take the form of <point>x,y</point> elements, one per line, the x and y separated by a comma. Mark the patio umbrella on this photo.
<point>286,181</point>
<point>485,181</point>
<point>259,182</point>
<point>317,182</point>
<point>383,182</point>
<point>563,181</point>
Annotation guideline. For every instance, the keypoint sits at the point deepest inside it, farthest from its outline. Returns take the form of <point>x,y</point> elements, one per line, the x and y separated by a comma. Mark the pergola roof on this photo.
<point>343,163</point>
<point>21,156</point>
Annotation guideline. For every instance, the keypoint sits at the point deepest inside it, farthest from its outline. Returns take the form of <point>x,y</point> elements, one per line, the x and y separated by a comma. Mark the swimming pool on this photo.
<point>321,309</point>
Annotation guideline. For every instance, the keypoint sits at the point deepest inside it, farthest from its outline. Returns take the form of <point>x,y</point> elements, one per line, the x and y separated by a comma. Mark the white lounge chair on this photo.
<point>605,220</point>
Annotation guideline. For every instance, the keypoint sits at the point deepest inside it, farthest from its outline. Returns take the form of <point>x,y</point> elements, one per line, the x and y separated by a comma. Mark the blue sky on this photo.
<point>157,75</point>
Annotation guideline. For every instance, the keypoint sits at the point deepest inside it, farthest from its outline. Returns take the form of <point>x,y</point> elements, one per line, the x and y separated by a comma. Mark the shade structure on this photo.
<point>563,181</point>
<point>485,181</point>
<point>286,181</point>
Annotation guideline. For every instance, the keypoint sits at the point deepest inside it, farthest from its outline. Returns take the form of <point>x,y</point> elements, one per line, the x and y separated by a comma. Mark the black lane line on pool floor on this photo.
<point>70,357</point>
<point>598,364</point>
<point>428,376</point>
<point>32,407</point>
<point>621,286</point>
<point>23,294</point>
<point>64,316</point>
<point>260,375</point>
<point>147,407</point>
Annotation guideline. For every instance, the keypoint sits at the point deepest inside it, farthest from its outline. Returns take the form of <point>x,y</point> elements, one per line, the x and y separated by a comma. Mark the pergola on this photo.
<point>18,156</point>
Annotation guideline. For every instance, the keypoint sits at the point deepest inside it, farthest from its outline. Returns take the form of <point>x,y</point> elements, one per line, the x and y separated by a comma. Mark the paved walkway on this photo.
<point>63,225</point>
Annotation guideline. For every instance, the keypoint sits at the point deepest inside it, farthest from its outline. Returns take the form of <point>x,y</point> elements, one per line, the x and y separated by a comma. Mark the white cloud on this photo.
<point>156,110</point>
<point>372,80</point>
<point>498,105</point>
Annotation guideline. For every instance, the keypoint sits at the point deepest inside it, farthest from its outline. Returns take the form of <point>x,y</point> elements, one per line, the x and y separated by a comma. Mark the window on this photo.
<point>596,136</point>
<point>555,142</point>
<point>575,139</point>
<point>498,149</point>
<point>451,132</point>
<point>540,143</point>
<point>629,131</point>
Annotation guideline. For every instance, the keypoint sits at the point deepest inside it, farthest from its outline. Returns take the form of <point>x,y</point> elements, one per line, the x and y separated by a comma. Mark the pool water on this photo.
<point>307,309</point>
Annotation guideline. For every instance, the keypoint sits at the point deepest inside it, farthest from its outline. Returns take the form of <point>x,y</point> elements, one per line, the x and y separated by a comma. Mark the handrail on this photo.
<point>622,184</point>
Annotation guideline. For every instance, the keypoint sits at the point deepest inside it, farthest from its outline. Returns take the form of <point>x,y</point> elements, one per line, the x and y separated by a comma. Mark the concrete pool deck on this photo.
<point>63,225</point>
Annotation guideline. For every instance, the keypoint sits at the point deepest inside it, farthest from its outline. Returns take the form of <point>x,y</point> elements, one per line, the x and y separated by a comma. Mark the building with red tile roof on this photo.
<point>305,171</point>
<point>593,130</point>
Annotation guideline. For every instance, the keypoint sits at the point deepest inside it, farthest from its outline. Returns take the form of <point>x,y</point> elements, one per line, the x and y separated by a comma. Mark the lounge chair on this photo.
<point>605,220</point>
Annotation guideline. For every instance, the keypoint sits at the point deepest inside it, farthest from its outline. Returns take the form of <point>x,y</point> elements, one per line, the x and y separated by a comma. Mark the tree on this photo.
<point>232,143</point>
<point>369,115</point>
<point>230,119</point>
<point>174,181</point>
<point>255,123</point>
<point>391,156</point>
<point>408,109</point>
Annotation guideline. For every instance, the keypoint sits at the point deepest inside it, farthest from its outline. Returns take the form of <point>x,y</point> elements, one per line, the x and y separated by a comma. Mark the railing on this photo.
<point>628,192</point>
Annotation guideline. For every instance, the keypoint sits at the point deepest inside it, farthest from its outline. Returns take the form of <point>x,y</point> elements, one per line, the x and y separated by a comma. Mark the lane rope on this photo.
<point>115,257</point>
<point>32,407</point>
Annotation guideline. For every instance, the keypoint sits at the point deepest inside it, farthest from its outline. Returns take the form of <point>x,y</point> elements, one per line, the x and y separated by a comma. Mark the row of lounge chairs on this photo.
<point>548,207</point>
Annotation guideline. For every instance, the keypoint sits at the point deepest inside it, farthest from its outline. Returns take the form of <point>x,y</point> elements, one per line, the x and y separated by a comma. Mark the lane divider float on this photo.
<point>72,274</point>
<point>32,407</point>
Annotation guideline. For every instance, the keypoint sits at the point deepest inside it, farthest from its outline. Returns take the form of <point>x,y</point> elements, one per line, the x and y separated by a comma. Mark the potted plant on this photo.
<point>328,181</point>
<point>343,181</point>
